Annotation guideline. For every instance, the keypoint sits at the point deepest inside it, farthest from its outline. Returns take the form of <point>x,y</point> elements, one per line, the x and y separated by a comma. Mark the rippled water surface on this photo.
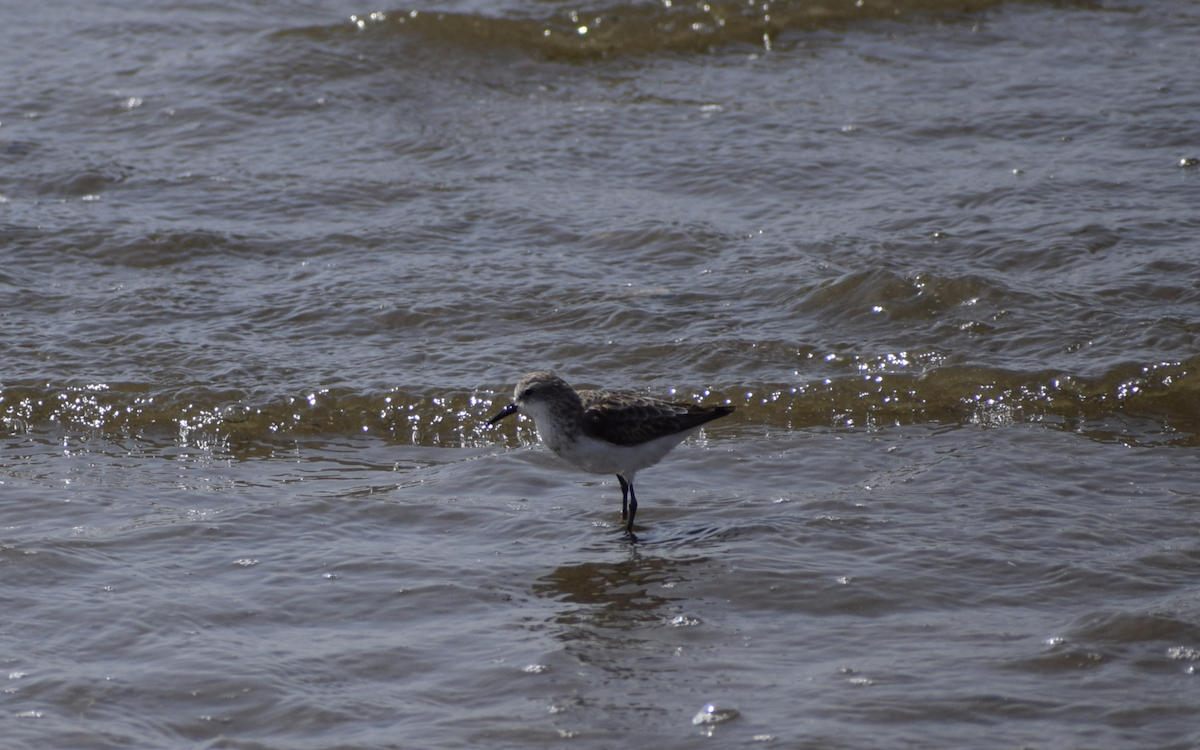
<point>266,270</point>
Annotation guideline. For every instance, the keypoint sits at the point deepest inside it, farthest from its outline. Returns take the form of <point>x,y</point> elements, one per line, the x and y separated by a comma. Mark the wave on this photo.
<point>669,26</point>
<point>1148,404</point>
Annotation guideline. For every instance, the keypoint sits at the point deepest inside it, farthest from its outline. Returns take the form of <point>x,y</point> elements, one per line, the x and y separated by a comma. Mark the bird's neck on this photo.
<point>559,423</point>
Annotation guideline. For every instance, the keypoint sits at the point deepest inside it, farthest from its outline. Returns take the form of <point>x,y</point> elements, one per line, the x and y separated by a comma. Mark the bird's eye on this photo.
<point>526,393</point>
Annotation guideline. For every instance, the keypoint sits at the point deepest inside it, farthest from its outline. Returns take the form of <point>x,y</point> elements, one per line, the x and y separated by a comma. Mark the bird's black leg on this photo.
<point>624,497</point>
<point>632,511</point>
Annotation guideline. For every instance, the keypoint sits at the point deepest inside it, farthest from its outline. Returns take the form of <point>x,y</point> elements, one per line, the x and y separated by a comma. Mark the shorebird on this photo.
<point>606,432</point>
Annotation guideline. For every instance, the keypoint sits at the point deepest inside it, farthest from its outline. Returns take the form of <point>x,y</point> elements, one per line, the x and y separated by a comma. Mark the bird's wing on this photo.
<point>630,419</point>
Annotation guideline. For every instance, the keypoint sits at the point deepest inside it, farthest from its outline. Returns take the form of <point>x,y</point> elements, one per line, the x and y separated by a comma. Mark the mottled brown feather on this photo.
<point>630,419</point>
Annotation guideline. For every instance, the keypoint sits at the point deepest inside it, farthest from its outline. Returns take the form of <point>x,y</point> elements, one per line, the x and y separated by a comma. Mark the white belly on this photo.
<point>602,457</point>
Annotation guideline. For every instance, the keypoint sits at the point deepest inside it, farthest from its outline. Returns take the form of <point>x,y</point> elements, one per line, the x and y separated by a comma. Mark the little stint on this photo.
<point>606,432</point>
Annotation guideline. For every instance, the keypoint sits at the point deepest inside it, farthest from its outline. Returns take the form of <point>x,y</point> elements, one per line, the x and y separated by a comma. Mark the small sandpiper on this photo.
<point>606,432</point>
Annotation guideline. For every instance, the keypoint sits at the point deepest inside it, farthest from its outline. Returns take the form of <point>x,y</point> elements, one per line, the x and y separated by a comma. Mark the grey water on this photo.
<point>267,269</point>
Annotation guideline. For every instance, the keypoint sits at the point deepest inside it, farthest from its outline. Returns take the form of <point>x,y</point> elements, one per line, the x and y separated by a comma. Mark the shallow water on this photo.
<point>267,270</point>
